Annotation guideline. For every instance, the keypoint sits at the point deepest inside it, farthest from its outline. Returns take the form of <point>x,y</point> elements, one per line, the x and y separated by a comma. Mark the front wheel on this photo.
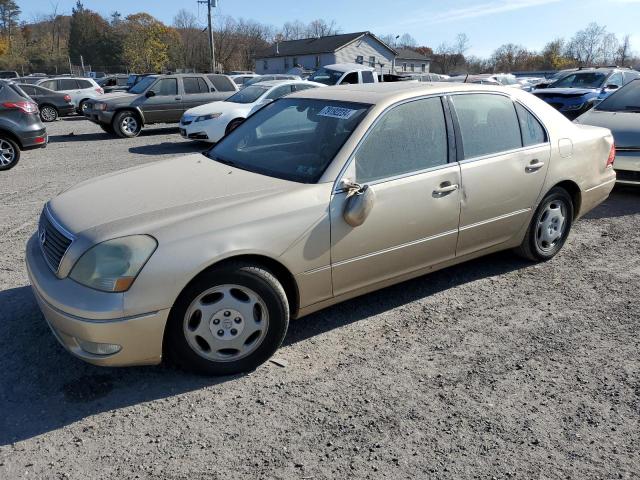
<point>549,228</point>
<point>229,320</point>
<point>9,153</point>
<point>48,113</point>
<point>127,124</point>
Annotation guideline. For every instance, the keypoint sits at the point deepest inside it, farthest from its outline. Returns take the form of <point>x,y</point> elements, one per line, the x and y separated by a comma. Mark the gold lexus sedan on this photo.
<point>318,197</point>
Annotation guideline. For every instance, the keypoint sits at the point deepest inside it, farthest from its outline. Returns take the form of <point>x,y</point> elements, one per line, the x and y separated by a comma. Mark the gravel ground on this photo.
<point>493,369</point>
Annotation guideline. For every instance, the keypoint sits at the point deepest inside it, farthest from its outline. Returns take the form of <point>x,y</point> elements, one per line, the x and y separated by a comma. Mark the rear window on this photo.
<point>222,83</point>
<point>626,98</point>
<point>50,84</point>
<point>67,84</point>
<point>533,132</point>
<point>488,124</point>
<point>84,84</point>
<point>19,91</point>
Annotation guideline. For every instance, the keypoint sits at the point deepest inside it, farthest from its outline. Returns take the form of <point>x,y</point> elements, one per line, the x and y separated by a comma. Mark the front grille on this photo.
<point>53,242</point>
<point>628,176</point>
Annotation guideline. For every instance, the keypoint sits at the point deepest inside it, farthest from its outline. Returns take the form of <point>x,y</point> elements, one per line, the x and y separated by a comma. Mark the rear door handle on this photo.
<point>534,165</point>
<point>445,189</point>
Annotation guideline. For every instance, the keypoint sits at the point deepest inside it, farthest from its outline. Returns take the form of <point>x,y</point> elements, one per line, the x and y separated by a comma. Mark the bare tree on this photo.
<point>586,46</point>
<point>624,51</point>
<point>407,41</point>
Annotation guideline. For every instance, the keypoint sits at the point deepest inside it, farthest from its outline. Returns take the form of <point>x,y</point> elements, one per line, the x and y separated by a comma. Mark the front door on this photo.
<point>166,103</point>
<point>404,158</point>
<point>506,155</point>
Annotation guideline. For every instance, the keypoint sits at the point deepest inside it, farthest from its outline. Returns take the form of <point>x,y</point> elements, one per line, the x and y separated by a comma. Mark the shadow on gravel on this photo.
<point>623,201</point>
<point>85,137</point>
<point>43,388</point>
<point>170,148</point>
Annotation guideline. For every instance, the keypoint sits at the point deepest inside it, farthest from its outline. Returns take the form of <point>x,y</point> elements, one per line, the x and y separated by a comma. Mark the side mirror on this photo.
<point>611,87</point>
<point>359,203</point>
<point>150,94</point>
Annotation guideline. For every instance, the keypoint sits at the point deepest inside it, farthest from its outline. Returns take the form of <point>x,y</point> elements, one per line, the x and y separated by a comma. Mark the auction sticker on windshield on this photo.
<point>336,112</point>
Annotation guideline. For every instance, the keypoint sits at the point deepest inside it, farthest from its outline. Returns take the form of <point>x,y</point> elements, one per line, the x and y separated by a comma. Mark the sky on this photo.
<point>488,24</point>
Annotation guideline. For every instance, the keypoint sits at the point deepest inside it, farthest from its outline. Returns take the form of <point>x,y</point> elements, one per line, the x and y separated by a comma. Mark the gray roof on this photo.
<point>311,46</point>
<point>410,54</point>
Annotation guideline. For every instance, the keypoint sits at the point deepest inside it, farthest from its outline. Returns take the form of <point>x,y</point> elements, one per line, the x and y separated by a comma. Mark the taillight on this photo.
<point>26,107</point>
<point>100,90</point>
<point>612,156</point>
<point>67,98</point>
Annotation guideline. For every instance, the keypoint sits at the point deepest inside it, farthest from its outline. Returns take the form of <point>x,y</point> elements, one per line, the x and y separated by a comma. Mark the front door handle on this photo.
<point>534,165</point>
<point>445,189</point>
<point>178,98</point>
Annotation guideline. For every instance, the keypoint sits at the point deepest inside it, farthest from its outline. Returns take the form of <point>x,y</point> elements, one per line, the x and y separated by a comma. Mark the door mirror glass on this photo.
<point>150,94</point>
<point>359,203</point>
<point>611,86</point>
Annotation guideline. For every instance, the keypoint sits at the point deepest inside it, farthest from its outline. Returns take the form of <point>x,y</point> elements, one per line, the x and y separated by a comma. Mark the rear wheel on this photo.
<point>549,228</point>
<point>82,107</point>
<point>127,124</point>
<point>48,113</point>
<point>9,153</point>
<point>229,320</point>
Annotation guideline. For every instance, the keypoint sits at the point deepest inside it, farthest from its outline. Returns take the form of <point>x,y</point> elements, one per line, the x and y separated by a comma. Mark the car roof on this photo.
<point>273,83</point>
<point>389,92</point>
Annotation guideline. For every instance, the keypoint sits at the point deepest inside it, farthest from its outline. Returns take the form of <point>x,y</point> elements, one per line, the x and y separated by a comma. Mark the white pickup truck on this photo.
<point>344,74</point>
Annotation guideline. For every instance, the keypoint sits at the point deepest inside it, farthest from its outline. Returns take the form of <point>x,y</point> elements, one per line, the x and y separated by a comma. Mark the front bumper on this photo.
<point>77,315</point>
<point>627,166</point>
<point>101,117</point>
<point>66,110</point>
<point>206,131</point>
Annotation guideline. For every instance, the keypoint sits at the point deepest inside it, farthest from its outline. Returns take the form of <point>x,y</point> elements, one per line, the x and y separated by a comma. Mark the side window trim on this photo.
<point>458,134</point>
<point>351,160</point>
<point>544,128</point>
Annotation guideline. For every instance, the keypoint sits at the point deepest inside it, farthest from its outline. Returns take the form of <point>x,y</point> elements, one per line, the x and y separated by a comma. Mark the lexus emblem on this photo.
<point>42,235</point>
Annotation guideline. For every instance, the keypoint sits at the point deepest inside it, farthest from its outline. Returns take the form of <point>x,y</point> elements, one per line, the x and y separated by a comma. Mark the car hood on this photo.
<point>565,92</point>
<point>151,196</point>
<point>116,96</point>
<point>218,107</point>
<point>625,126</point>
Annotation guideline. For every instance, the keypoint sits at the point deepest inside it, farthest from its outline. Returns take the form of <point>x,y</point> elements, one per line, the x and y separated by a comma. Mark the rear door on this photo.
<point>197,91</point>
<point>504,155</point>
<point>166,103</point>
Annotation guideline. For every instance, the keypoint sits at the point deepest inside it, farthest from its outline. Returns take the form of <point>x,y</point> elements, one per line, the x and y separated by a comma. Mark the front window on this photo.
<point>292,138</point>
<point>372,61</point>
<point>142,85</point>
<point>326,76</point>
<point>580,80</point>
<point>248,94</point>
<point>626,99</point>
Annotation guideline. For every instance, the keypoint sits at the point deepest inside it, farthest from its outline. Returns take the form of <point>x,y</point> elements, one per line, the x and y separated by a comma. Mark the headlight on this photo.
<point>112,266</point>
<point>211,116</point>
<point>99,106</point>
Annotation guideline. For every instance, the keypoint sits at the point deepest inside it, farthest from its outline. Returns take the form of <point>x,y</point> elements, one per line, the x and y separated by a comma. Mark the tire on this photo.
<point>107,129</point>
<point>9,153</point>
<point>48,113</point>
<point>549,227</point>
<point>229,320</point>
<point>127,124</point>
<point>82,106</point>
<point>233,124</point>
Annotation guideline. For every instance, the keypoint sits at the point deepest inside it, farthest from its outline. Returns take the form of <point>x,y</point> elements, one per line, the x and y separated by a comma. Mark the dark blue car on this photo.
<point>577,92</point>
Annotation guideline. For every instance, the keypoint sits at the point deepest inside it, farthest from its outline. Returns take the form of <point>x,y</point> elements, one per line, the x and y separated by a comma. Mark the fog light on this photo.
<point>98,348</point>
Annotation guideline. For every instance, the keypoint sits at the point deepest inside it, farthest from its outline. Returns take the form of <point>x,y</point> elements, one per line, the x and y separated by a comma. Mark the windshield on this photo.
<point>292,138</point>
<point>580,80</point>
<point>142,85</point>
<point>248,94</point>
<point>326,76</point>
<point>626,98</point>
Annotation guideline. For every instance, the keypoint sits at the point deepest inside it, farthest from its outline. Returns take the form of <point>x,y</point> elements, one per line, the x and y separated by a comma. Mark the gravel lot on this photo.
<point>493,369</point>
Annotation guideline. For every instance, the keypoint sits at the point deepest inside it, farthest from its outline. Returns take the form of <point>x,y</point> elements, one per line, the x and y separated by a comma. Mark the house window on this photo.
<point>404,67</point>
<point>360,59</point>
<point>424,68</point>
<point>413,67</point>
<point>372,61</point>
<point>318,61</point>
<point>286,63</point>
<point>265,65</point>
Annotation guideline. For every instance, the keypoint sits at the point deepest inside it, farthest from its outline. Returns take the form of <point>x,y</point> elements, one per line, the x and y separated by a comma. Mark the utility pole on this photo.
<point>211,4</point>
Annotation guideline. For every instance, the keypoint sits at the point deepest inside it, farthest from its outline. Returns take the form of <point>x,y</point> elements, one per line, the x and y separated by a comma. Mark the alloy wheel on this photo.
<point>7,153</point>
<point>226,323</point>
<point>48,114</point>
<point>129,125</point>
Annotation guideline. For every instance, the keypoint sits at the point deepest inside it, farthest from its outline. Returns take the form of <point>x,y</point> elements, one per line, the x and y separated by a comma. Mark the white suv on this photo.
<point>79,89</point>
